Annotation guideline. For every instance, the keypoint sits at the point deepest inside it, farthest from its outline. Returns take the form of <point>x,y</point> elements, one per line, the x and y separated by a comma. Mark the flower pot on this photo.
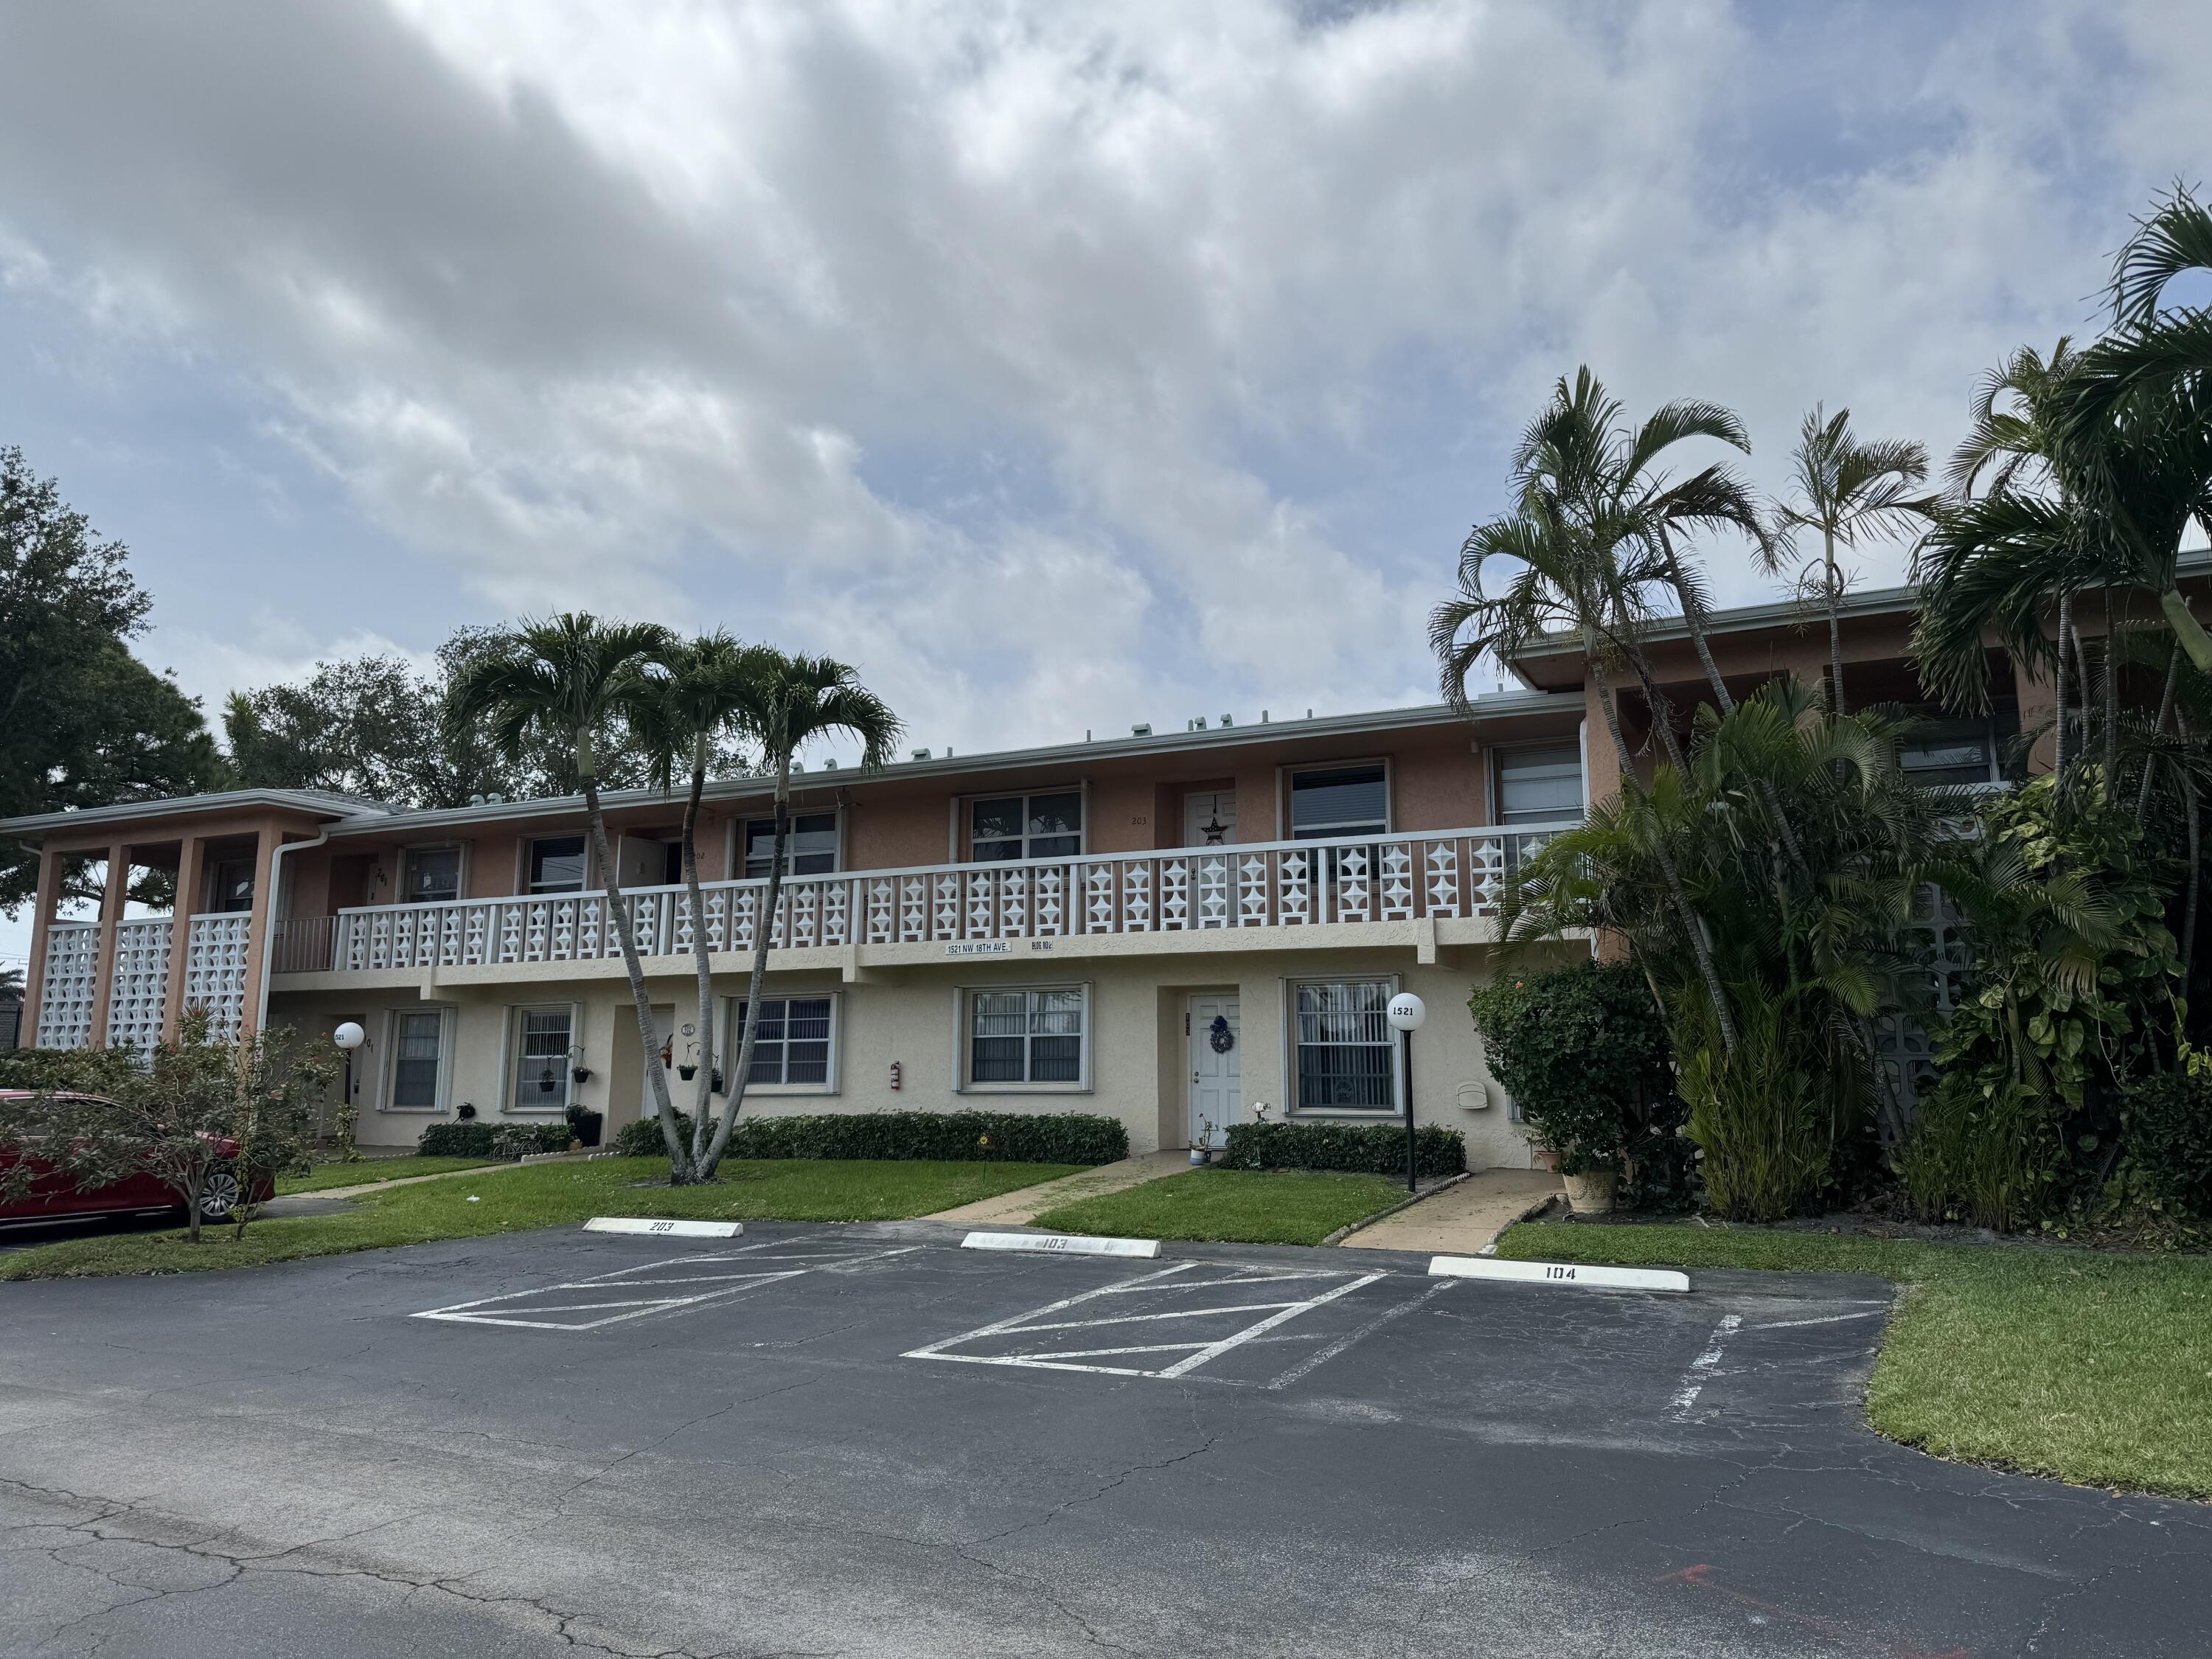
<point>1199,1155</point>
<point>1591,1192</point>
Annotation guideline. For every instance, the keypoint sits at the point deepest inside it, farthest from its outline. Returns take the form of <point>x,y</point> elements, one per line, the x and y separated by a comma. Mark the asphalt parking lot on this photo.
<point>861,1441</point>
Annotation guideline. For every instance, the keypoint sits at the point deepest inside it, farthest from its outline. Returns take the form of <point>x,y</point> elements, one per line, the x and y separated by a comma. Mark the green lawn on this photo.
<point>1243,1207</point>
<point>548,1195</point>
<point>2094,1367</point>
<point>323,1176</point>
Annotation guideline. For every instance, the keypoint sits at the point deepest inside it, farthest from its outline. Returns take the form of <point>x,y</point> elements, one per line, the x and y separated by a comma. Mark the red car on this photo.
<point>56,1197</point>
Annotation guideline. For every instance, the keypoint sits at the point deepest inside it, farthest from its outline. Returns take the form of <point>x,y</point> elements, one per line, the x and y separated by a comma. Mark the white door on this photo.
<point>1216,1046</point>
<point>1209,817</point>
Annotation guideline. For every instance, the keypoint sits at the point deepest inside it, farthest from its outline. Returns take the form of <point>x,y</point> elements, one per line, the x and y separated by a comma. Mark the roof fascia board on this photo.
<point>325,807</point>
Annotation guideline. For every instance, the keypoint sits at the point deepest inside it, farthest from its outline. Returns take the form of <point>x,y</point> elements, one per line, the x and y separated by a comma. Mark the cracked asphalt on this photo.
<point>288,1461</point>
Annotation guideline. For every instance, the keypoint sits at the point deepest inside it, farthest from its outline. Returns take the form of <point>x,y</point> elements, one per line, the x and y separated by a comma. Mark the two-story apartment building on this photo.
<point>1168,929</point>
<point>1171,929</point>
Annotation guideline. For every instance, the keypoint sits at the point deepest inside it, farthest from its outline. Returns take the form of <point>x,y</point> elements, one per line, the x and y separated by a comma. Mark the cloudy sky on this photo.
<point>1061,366</point>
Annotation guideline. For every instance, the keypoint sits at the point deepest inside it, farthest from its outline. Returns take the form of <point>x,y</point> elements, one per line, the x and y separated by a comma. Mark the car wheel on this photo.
<point>219,1192</point>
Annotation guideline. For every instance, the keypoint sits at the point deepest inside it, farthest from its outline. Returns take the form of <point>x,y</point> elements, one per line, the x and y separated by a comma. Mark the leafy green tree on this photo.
<point>2152,347</point>
<point>83,722</point>
<point>682,723</point>
<point>569,678</point>
<point>785,702</point>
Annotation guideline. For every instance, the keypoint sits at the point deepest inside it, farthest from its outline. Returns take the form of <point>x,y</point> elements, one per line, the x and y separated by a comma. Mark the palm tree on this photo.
<point>679,724</point>
<point>785,702</point>
<point>567,677</point>
<point>1846,487</point>
<point>2150,346</point>
<point>1581,452</point>
<point>1568,581</point>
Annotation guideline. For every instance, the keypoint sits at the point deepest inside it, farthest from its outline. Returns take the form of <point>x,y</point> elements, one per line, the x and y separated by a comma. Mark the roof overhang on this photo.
<point>229,803</point>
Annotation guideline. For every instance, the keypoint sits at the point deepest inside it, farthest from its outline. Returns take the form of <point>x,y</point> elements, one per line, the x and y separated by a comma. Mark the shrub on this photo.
<point>642,1138</point>
<point>1583,1052</point>
<point>527,1140</point>
<point>1761,1119</point>
<point>961,1137</point>
<point>2168,1122</point>
<point>458,1140</point>
<point>1357,1148</point>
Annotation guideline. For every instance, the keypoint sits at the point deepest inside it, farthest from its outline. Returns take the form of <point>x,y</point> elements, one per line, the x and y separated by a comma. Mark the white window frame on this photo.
<point>965,822</point>
<point>1348,1114</point>
<point>510,1056</point>
<point>460,874</point>
<point>963,1021</point>
<point>387,1079</point>
<point>1500,751</point>
<point>732,1033</point>
<point>740,834</point>
<point>522,884</point>
<point>1287,824</point>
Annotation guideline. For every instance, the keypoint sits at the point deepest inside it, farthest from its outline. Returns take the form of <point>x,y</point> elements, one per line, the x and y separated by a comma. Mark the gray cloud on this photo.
<point>1066,366</point>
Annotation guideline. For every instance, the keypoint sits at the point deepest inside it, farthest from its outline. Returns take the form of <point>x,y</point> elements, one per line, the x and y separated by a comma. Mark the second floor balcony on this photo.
<point>1363,890</point>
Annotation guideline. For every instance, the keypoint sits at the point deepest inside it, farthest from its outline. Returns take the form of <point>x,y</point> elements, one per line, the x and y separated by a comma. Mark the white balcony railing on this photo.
<point>1444,874</point>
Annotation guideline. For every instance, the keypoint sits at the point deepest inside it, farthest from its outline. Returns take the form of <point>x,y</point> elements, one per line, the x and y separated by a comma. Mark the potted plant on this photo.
<point>1202,1146</point>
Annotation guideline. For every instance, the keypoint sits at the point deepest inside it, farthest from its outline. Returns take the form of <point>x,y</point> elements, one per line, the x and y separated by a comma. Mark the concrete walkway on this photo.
<point>442,1175</point>
<point>1464,1217</point>
<point>1019,1207</point>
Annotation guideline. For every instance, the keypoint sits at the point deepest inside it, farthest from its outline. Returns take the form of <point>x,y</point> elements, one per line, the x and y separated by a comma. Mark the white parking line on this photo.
<point>1197,1352</point>
<point>1701,1368</point>
<point>500,1309</point>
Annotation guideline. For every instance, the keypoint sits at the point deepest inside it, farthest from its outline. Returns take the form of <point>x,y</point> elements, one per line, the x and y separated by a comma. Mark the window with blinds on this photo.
<point>1348,1054</point>
<point>417,1058</point>
<point>1327,803</point>
<point>1027,1035</point>
<point>793,1045</point>
<point>1541,783</point>
<point>542,1040</point>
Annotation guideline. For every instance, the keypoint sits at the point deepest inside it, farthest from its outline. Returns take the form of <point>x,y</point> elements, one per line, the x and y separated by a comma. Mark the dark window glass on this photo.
<point>792,1043</point>
<point>813,850</point>
<point>1026,1036</point>
<point>557,865</point>
<point>415,1059</point>
<point>1949,752</point>
<point>1540,785</point>
<point>433,875</point>
<point>1348,1054</point>
<point>231,884</point>
<point>541,1072</point>
<point>1026,827</point>
<point>1351,800</point>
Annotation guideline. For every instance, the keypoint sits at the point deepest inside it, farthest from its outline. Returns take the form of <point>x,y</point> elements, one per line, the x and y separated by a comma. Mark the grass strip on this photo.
<point>2093,1366</point>
<point>549,1195</point>
<point>323,1176</point>
<point>1229,1206</point>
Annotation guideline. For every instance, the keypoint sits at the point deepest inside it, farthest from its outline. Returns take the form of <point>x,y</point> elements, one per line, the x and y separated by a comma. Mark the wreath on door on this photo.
<point>1220,1036</point>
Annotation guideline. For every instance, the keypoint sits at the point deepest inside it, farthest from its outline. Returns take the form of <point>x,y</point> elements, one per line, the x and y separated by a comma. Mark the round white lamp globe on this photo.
<point>1407,1012</point>
<point>350,1036</point>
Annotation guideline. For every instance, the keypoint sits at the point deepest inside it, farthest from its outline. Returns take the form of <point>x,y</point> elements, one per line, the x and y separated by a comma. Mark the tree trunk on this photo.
<point>2112,700</point>
<point>2059,715</point>
<point>1692,926</point>
<point>703,1101</point>
<point>1835,621</point>
<point>741,1065</point>
<point>679,1162</point>
<point>2158,731</point>
<point>2196,876</point>
<point>1663,723</point>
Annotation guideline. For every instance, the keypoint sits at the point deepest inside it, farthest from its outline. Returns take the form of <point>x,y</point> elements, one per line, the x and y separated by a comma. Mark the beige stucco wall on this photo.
<point>1138,1061</point>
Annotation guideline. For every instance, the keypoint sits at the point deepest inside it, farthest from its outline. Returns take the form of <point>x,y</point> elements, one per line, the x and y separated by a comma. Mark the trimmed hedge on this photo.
<point>474,1139</point>
<point>2168,1118</point>
<point>1355,1148</point>
<point>470,1139</point>
<point>960,1137</point>
<point>642,1138</point>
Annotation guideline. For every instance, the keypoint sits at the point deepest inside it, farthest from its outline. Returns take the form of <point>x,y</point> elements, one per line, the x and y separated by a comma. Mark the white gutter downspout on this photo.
<point>277,892</point>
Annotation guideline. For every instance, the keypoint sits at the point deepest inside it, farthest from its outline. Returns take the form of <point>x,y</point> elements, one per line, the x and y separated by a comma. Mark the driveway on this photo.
<point>860,1441</point>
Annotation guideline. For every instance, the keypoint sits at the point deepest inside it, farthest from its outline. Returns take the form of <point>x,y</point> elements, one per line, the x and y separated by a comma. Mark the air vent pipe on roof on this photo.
<point>1143,731</point>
